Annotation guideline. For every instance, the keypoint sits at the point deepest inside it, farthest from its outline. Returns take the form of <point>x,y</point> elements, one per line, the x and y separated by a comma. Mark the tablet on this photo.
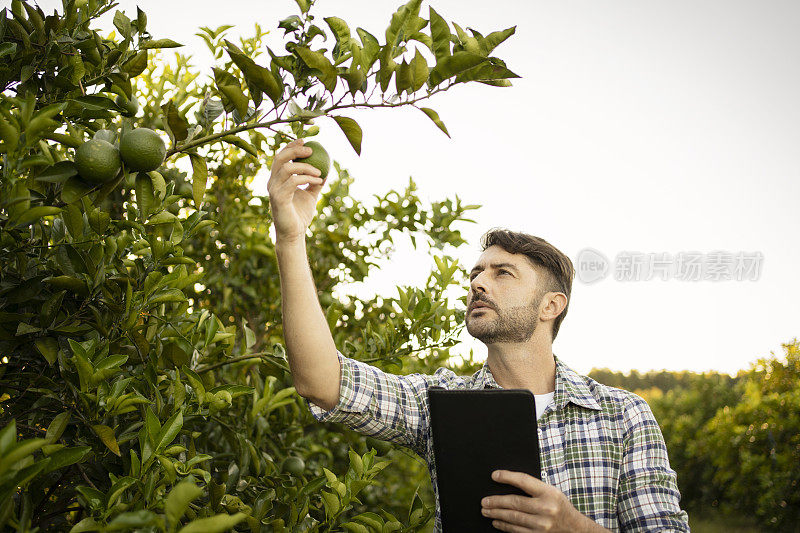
<point>476,432</point>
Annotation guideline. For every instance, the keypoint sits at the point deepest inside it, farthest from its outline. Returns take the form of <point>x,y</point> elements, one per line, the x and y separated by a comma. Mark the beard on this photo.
<point>516,324</point>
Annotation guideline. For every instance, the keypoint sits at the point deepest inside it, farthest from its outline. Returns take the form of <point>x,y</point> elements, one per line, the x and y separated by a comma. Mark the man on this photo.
<point>604,462</point>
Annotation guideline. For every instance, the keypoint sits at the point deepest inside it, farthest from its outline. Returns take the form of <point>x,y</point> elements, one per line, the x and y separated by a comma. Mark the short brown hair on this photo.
<point>558,268</point>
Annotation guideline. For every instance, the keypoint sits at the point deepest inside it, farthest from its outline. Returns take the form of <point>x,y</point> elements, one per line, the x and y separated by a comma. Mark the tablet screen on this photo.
<point>476,432</point>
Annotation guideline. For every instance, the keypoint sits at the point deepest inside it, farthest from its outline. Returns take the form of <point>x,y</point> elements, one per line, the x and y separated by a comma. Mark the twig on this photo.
<point>231,361</point>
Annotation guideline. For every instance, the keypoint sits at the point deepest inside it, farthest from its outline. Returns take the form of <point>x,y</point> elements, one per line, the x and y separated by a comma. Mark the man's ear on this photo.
<point>554,304</point>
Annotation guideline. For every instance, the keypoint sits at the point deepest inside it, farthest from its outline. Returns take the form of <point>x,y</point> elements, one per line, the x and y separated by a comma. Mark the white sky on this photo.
<point>655,127</point>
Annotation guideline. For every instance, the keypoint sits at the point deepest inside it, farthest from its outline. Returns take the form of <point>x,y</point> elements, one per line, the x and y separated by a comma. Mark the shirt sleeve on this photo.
<point>382,405</point>
<point>649,499</point>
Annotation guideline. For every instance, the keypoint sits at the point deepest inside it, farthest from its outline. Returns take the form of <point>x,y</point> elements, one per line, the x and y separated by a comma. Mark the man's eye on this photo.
<point>504,271</point>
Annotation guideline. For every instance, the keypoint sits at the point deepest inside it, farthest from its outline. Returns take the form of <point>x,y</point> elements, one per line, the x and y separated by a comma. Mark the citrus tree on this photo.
<point>753,446</point>
<point>733,441</point>
<point>143,382</point>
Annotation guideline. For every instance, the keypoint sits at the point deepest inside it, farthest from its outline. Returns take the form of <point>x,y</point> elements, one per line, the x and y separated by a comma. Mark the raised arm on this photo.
<point>309,344</point>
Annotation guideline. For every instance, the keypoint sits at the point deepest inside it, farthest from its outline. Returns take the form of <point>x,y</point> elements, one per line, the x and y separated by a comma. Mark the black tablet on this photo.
<point>476,432</point>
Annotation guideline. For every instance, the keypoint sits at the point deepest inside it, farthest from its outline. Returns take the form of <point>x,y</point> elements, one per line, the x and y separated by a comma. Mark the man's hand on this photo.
<point>546,509</point>
<point>293,208</point>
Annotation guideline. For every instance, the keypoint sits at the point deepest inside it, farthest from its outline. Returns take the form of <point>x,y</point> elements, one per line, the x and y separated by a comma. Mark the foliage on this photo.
<point>144,383</point>
<point>754,444</point>
<point>734,441</point>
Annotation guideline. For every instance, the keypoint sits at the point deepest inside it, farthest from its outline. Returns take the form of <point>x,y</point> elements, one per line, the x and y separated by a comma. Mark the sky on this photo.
<point>637,129</point>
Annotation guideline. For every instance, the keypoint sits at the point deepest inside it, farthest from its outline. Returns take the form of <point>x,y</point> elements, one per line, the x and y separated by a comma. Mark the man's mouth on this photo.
<point>479,305</point>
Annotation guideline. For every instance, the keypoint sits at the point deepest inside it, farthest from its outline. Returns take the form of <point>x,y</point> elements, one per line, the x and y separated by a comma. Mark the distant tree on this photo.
<point>754,444</point>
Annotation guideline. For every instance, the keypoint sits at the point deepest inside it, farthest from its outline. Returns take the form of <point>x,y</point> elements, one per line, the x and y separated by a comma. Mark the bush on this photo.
<point>144,383</point>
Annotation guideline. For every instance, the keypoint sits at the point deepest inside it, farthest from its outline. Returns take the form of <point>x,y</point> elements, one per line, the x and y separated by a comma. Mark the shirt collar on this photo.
<point>570,386</point>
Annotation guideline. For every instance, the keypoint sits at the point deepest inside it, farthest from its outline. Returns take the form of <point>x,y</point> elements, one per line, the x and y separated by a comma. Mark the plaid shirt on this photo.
<point>599,445</point>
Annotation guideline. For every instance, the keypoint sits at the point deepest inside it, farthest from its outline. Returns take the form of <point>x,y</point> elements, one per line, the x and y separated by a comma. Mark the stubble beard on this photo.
<point>516,324</point>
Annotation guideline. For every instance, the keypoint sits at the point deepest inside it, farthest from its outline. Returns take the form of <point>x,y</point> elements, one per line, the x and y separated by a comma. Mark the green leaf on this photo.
<point>118,488</point>
<point>340,30</point>
<point>143,186</point>
<point>370,49</point>
<point>331,503</point>
<point>486,72</point>
<point>316,60</point>
<point>78,69</point>
<point>25,329</point>
<point>213,524</point>
<point>7,48</point>
<point>74,189</point>
<point>179,499</point>
<point>99,220</point>
<point>434,116</point>
<point>491,41</point>
<point>19,451</point>
<point>352,131</point>
<point>87,524</point>
<point>122,23</point>
<point>372,520</point>
<point>199,178</point>
<point>453,65</point>
<point>73,219</point>
<point>387,67</point>
<point>132,520</point>
<point>303,5</point>
<point>405,21</point>
<point>166,296</point>
<point>8,437</point>
<point>356,463</point>
<point>169,430</point>
<point>236,97</point>
<point>291,23</point>
<point>402,79</point>
<point>152,424</point>
<point>355,527</point>
<point>177,126</point>
<point>65,457</point>
<point>35,213</point>
<point>440,34</point>
<point>419,72</point>
<point>159,185</point>
<point>57,426</point>
<point>255,75</point>
<point>48,347</point>
<point>355,78</point>
<point>141,20</point>
<point>94,498</point>
<point>85,370</point>
<point>106,435</point>
<point>159,43</point>
<point>58,173</point>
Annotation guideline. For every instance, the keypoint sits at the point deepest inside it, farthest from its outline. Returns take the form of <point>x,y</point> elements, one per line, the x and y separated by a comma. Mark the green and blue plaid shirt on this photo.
<point>599,445</point>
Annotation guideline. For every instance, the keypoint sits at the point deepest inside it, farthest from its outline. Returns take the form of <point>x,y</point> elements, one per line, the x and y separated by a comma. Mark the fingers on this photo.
<point>524,481</point>
<point>293,150</point>
<point>515,521</point>
<point>290,185</point>
<point>291,175</point>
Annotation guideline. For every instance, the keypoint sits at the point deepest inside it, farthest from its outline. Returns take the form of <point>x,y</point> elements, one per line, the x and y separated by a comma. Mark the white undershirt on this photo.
<point>542,401</point>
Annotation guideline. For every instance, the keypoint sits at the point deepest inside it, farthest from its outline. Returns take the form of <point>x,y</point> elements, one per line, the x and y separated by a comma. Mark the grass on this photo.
<point>712,521</point>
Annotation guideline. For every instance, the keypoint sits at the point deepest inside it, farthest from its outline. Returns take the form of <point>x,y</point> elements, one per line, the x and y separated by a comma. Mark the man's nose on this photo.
<point>477,284</point>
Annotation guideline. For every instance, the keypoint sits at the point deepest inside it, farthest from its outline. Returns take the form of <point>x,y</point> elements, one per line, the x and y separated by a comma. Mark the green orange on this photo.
<point>142,150</point>
<point>318,159</point>
<point>97,161</point>
<point>293,465</point>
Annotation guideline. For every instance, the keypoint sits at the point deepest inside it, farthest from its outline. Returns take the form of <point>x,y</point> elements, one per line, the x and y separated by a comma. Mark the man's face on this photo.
<point>504,298</point>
